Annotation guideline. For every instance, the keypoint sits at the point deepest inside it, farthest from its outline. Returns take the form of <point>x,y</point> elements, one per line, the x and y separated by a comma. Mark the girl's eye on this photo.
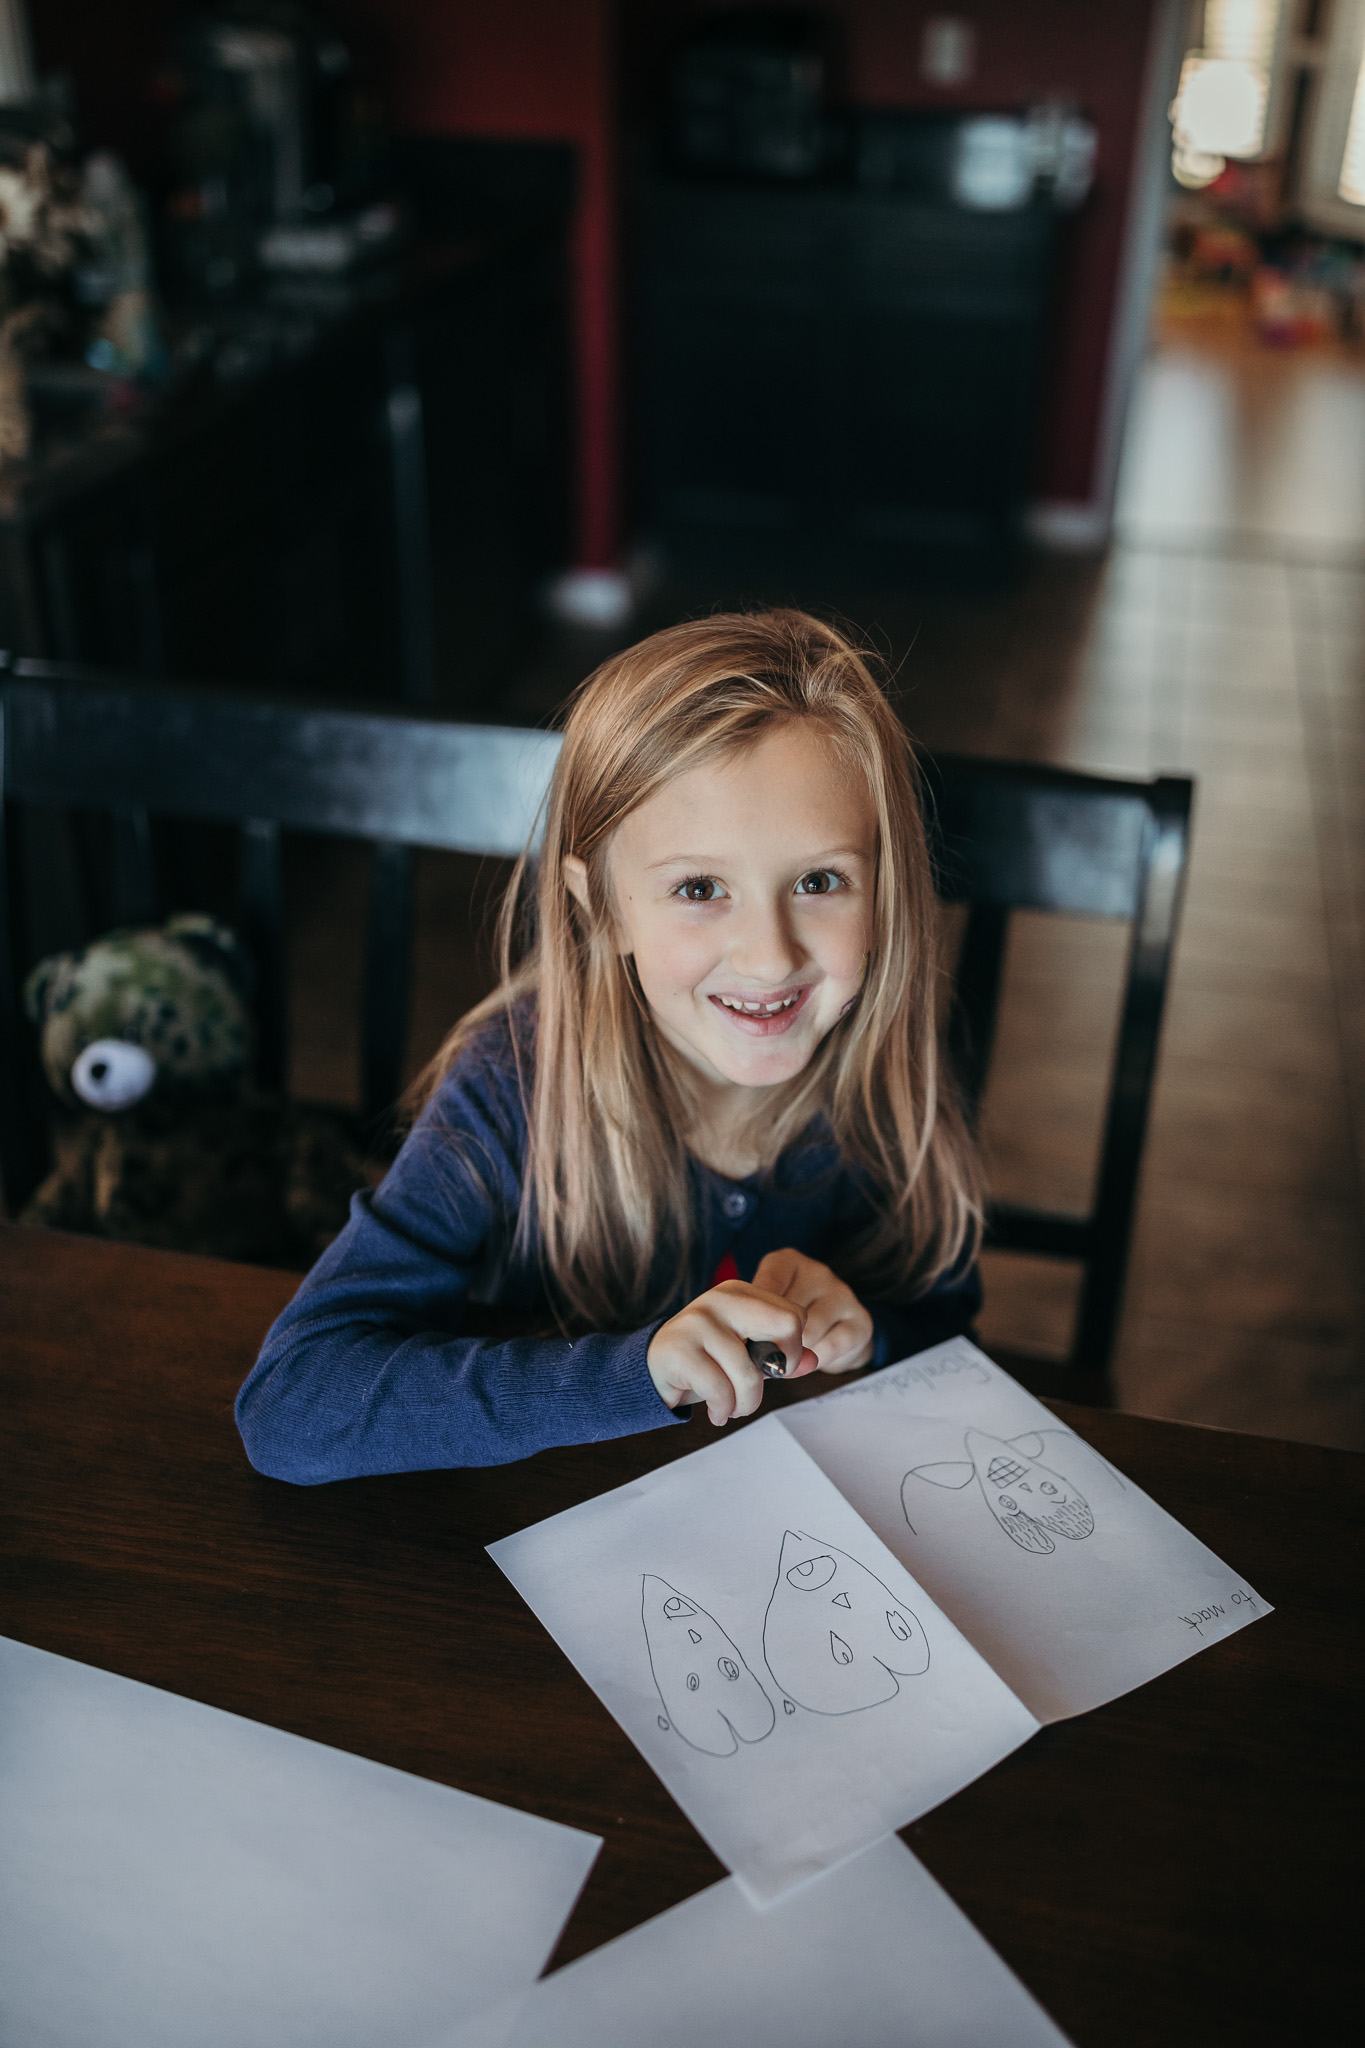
<point>700,889</point>
<point>820,882</point>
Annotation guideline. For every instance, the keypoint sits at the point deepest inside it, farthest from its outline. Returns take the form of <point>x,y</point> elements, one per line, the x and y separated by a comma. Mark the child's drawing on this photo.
<point>1031,1502</point>
<point>835,1638</point>
<point>710,1696</point>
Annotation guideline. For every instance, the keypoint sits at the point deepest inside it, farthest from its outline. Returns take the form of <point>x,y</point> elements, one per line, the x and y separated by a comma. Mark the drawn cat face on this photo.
<point>836,1639</point>
<point>1032,1503</point>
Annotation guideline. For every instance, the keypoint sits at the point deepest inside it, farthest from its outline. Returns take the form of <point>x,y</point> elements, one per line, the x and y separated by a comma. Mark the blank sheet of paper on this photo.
<point>795,1689</point>
<point>872,1955</point>
<point>174,1875</point>
<point>1073,1584</point>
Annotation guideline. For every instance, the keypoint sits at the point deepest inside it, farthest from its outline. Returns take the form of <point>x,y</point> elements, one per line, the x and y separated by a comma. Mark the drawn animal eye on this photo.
<point>677,1607</point>
<point>821,882</point>
<point>693,1682</point>
<point>812,1573</point>
<point>1048,1487</point>
<point>728,1668</point>
<point>701,889</point>
<point>839,1650</point>
<point>1011,1507</point>
<point>898,1625</point>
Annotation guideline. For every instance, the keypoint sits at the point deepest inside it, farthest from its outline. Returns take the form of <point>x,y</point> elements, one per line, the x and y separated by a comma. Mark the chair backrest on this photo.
<point>79,739</point>
<point>1010,836</point>
<point>1006,836</point>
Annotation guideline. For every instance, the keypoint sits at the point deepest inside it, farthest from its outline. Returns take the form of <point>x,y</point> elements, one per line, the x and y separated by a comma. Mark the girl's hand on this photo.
<point>838,1328</point>
<point>699,1354</point>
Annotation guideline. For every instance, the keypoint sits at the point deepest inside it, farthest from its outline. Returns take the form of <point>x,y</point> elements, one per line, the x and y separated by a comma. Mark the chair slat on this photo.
<point>1165,852</point>
<point>135,895</point>
<point>260,890</point>
<point>388,976</point>
<point>980,964</point>
<point>1013,1229</point>
<point>20,1153</point>
<point>1035,838</point>
<point>181,754</point>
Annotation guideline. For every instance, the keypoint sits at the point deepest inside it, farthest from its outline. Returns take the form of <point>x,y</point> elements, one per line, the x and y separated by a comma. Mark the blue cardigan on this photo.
<point>368,1371</point>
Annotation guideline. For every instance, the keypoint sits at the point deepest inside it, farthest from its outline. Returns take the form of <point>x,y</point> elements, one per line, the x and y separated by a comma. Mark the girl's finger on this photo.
<point>845,1346</point>
<point>751,1312</point>
<point>778,1273</point>
<point>730,1355</point>
<point>711,1385</point>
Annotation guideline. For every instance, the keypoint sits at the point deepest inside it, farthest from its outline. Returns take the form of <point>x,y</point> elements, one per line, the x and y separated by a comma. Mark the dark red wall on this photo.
<point>535,69</point>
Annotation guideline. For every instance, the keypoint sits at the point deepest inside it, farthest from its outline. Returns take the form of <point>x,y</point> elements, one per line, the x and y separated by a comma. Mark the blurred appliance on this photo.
<point>987,163</point>
<point>748,96</point>
<point>838,378</point>
<point>278,147</point>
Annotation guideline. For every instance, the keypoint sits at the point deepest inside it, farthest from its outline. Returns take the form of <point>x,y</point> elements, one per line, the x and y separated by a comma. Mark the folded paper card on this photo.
<point>1071,1582</point>
<point>171,1874</point>
<point>871,1955</point>
<point>822,1626</point>
<point>797,1691</point>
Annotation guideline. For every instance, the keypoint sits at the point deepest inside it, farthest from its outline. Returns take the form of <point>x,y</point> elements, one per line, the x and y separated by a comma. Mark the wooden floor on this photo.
<point>1224,635</point>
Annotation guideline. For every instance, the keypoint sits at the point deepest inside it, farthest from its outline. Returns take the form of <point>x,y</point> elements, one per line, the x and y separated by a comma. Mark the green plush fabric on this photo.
<point>180,990</point>
<point>202,1162</point>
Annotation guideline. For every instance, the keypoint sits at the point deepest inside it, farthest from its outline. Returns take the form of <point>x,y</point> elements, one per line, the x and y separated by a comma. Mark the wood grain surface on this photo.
<point>1179,1867</point>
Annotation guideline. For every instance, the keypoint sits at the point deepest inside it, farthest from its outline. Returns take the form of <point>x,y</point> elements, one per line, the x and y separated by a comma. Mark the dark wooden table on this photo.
<point>1180,1867</point>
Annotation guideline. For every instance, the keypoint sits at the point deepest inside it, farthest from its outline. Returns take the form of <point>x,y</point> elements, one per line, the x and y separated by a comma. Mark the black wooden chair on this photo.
<point>1011,836</point>
<point>1006,837</point>
<point>82,741</point>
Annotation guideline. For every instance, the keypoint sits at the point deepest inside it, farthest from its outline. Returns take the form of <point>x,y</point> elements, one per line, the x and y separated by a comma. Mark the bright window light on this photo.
<point>1220,108</point>
<point>1352,183</point>
<point>1222,105</point>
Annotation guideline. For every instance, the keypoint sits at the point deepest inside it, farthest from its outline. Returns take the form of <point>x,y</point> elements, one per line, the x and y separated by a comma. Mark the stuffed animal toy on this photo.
<point>146,1041</point>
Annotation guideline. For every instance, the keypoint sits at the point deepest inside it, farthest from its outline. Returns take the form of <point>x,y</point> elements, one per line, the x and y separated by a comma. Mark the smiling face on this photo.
<point>744,891</point>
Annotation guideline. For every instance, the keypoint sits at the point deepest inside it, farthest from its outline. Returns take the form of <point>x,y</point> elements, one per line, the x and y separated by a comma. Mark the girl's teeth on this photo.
<point>759,1009</point>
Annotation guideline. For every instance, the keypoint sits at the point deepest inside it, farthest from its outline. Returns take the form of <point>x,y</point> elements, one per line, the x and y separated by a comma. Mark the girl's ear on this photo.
<point>575,875</point>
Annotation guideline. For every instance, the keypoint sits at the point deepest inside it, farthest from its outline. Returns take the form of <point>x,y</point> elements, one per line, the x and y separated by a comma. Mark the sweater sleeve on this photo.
<point>367,1371</point>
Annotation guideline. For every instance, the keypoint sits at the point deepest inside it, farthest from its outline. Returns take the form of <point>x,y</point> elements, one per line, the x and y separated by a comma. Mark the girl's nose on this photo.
<point>763,948</point>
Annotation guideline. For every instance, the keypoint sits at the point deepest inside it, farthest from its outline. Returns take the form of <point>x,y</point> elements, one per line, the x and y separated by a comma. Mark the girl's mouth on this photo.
<point>763,1016</point>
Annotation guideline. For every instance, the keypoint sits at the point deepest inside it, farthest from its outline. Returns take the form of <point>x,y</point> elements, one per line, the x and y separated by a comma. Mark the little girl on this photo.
<point>703,1106</point>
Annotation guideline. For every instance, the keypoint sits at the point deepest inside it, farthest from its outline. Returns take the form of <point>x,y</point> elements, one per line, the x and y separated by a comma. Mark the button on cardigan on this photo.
<point>372,1367</point>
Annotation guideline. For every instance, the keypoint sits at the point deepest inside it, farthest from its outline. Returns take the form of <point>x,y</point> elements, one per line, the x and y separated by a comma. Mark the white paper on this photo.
<point>176,1877</point>
<point>797,1692</point>
<point>872,1955</point>
<point>1073,1584</point>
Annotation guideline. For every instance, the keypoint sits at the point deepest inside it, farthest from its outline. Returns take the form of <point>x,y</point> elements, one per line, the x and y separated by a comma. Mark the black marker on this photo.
<point>769,1357</point>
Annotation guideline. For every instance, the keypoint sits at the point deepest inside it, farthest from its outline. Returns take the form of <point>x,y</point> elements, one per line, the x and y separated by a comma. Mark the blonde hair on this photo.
<point>605,1192</point>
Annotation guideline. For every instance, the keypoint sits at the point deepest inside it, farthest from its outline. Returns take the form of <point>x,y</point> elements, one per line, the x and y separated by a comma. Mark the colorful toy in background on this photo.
<point>77,314</point>
<point>159,1136</point>
<point>1291,312</point>
<point>1293,290</point>
<point>115,279</point>
<point>42,225</point>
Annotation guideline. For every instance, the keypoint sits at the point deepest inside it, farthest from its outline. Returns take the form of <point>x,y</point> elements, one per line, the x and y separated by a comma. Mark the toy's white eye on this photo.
<point>112,1074</point>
